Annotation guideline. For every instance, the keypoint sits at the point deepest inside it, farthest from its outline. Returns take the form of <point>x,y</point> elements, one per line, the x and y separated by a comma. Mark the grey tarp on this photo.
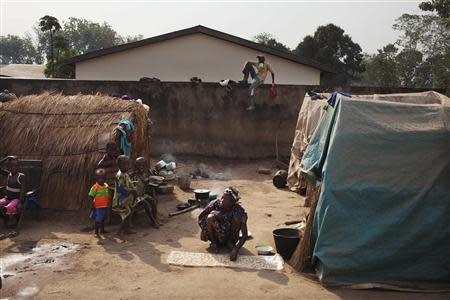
<point>383,214</point>
<point>311,111</point>
<point>307,121</point>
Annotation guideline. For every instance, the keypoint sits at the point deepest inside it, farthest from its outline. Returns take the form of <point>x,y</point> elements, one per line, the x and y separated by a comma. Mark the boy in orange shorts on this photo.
<point>100,197</point>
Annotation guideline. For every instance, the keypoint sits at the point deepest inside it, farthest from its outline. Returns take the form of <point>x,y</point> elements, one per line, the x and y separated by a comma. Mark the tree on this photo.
<point>385,69</point>
<point>408,63</point>
<point>429,35</point>
<point>441,7</point>
<point>62,52</point>
<point>86,36</point>
<point>131,38</point>
<point>59,70</point>
<point>60,44</point>
<point>331,46</point>
<point>48,41</point>
<point>41,42</point>
<point>50,24</point>
<point>17,50</point>
<point>269,40</point>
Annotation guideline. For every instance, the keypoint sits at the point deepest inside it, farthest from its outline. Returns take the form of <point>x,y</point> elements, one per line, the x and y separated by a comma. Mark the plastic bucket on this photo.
<point>286,241</point>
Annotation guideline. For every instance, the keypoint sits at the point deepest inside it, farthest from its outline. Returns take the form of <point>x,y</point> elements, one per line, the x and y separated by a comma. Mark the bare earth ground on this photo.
<point>137,269</point>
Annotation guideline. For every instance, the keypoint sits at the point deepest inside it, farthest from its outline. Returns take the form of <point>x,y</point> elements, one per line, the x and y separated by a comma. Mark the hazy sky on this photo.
<point>369,23</point>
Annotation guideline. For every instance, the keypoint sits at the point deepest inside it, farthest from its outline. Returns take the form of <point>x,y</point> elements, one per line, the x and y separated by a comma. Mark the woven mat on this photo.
<point>193,259</point>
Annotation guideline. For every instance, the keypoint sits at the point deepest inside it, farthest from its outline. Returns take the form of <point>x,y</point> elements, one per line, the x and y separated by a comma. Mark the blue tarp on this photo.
<point>383,215</point>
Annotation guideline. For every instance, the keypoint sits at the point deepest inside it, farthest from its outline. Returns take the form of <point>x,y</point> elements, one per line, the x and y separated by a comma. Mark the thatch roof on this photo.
<point>63,131</point>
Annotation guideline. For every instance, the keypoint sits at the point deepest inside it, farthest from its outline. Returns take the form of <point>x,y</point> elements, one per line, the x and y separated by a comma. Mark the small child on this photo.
<point>100,197</point>
<point>9,205</point>
<point>141,177</point>
<point>125,195</point>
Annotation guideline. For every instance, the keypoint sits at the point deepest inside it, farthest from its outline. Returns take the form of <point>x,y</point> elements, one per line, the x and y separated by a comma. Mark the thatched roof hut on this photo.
<point>64,132</point>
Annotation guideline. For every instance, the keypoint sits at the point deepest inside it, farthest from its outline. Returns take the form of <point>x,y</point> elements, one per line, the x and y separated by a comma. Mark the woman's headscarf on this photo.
<point>233,192</point>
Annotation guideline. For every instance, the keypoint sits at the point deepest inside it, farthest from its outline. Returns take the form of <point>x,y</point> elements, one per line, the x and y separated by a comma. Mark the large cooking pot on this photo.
<point>201,195</point>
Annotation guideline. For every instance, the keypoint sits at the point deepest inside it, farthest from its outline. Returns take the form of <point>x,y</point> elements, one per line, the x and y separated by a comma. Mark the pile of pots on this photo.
<point>164,174</point>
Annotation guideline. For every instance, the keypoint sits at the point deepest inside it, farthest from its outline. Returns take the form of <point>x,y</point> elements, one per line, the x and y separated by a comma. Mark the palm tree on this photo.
<point>50,24</point>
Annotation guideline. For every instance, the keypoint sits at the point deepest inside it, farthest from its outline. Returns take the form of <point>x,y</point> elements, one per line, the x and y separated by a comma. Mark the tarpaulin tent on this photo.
<point>307,121</point>
<point>382,217</point>
<point>309,117</point>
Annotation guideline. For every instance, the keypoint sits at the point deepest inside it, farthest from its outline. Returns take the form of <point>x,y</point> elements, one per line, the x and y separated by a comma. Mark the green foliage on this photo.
<point>51,25</point>
<point>87,36</point>
<point>426,33</point>
<point>429,35</point>
<point>408,63</point>
<point>441,7</point>
<point>269,40</point>
<point>54,42</point>
<point>59,70</point>
<point>41,42</point>
<point>17,50</point>
<point>131,38</point>
<point>331,46</point>
<point>424,59</point>
<point>381,68</point>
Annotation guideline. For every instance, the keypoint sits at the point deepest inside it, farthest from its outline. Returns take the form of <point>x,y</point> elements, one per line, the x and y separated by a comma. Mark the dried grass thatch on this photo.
<point>63,131</point>
<point>301,259</point>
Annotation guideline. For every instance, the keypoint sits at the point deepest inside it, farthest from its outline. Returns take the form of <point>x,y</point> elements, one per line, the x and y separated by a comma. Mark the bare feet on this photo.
<point>230,245</point>
<point>234,254</point>
<point>213,248</point>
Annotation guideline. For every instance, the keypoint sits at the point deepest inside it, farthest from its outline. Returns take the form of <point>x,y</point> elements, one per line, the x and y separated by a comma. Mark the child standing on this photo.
<point>100,197</point>
<point>124,195</point>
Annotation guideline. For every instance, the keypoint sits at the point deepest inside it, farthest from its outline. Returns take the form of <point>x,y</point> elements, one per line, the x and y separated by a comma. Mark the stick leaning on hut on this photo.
<point>301,259</point>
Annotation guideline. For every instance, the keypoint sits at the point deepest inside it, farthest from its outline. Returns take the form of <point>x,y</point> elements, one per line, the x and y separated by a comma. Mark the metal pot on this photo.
<point>160,164</point>
<point>171,166</point>
<point>201,195</point>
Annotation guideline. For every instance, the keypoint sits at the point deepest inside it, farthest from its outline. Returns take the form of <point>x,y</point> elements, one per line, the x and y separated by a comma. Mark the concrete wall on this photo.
<point>203,119</point>
<point>179,59</point>
<point>198,119</point>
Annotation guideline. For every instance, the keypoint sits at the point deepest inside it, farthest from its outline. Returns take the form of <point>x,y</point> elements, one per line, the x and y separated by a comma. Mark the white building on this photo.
<point>193,52</point>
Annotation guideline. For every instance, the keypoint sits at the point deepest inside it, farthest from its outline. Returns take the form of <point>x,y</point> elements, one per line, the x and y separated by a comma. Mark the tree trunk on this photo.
<point>51,53</point>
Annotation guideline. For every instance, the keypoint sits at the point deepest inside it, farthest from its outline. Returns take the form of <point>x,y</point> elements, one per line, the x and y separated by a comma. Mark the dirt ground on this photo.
<point>88,268</point>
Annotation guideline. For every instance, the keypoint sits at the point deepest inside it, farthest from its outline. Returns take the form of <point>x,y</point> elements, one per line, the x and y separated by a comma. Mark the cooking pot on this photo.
<point>160,164</point>
<point>171,166</point>
<point>201,194</point>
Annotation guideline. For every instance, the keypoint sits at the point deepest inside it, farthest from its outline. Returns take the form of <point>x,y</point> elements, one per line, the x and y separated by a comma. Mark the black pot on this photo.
<point>280,179</point>
<point>286,241</point>
<point>201,195</point>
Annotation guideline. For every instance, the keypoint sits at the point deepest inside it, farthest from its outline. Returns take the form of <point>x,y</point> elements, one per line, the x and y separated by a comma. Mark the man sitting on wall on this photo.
<point>258,76</point>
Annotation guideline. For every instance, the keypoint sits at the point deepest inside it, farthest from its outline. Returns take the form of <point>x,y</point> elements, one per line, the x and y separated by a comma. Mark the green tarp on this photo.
<point>383,215</point>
